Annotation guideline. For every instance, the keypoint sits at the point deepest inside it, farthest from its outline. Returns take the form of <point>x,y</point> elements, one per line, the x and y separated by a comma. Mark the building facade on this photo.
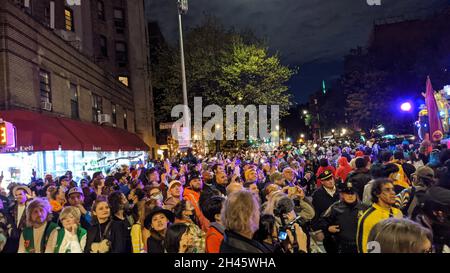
<point>81,61</point>
<point>109,44</point>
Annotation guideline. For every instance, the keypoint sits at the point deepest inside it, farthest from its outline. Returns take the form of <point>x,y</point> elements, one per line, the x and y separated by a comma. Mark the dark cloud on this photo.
<point>307,33</point>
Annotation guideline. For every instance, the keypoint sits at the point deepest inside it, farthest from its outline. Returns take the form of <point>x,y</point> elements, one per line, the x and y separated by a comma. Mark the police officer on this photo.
<point>341,219</point>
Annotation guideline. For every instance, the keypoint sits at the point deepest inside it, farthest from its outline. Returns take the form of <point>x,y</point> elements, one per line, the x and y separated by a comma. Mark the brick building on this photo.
<point>83,65</point>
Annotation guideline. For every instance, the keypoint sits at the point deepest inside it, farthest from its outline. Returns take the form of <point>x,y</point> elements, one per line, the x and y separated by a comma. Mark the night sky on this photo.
<point>313,35</point>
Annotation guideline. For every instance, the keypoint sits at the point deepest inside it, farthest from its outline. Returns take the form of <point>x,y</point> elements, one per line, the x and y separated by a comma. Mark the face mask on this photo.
<point>159,197</point>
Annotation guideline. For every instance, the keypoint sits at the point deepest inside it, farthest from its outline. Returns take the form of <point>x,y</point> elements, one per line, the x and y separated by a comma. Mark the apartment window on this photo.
<point>124,80</point>
<point>26,5</point>
<point>97,107</point>
<point>74,101</point>
<point>47,16</point>
<point>103,45</point>
<point>68,13</point>
<point>44,86</point>
<point>101,10</point>
<point>114,114</point>
<point>119,18</point>
<point>125,120</point>
<point>121,52</point>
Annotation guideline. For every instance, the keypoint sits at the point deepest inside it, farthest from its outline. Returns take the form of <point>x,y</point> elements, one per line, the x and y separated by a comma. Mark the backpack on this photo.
<point>415,203</point>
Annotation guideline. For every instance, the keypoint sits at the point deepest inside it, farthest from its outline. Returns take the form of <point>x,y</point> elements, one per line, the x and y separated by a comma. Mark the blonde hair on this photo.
<point>240,212</point>
<point>73,211</point>
<point>399,236</point>
<point>38,203</point>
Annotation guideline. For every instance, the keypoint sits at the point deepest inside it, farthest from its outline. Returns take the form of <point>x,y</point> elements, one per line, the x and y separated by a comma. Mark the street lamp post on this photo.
<point>182,9</point>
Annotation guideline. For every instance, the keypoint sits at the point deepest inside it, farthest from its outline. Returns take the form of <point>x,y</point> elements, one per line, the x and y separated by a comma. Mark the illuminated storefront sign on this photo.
<point>7,135</point>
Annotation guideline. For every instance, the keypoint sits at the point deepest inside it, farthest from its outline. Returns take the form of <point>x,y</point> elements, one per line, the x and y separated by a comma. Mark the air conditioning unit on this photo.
<point>104,118</point>
<point>70,37</point>
<point>47,106</point>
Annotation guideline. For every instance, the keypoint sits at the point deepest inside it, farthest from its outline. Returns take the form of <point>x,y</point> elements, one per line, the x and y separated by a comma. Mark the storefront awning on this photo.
<point>40,132</point>
<point>92,137</point>
<point>128,141</point>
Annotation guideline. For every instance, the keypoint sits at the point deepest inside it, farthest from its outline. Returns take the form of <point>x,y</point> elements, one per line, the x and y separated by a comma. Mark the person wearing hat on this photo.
<point>324,166</point>
<point>174,195</point>
<point>192,194</point>
<point>250,175</point>
<point>326,195</point>
<point>435,215</point>
<point>34,237</point>
<point>157,221</point>
<point>340,220</point>
<point>75,198</point>
<point>322,199</point>
<point>22,196</point>
<point>409,200</point>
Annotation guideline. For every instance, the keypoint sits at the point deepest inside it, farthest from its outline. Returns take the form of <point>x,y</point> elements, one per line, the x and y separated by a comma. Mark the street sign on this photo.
<point>184,137</point>
<point>182,6</point>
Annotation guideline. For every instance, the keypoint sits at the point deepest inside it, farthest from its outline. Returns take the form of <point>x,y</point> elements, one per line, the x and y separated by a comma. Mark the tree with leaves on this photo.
<point>223,67</point>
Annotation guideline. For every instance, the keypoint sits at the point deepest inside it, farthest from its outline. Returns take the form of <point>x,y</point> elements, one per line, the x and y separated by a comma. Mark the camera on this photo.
<point>298,220</point>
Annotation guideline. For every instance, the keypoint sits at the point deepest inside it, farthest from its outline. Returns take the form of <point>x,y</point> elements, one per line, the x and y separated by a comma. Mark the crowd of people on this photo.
<point>312,198</point>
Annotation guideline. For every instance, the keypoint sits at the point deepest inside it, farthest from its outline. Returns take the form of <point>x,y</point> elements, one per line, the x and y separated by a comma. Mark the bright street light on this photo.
<point>305,112</point>
<point>302,136</point>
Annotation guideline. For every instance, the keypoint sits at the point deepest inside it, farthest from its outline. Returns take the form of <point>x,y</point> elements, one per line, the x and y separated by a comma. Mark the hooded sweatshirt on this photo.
<point>344,169</point>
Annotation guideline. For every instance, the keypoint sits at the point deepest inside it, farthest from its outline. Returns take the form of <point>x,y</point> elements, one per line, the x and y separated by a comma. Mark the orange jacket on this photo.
<point>193,197</point>
<point>214,239</point>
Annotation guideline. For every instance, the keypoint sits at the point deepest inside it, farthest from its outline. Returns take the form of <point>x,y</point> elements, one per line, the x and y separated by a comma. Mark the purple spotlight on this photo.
<point>406,107</point>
